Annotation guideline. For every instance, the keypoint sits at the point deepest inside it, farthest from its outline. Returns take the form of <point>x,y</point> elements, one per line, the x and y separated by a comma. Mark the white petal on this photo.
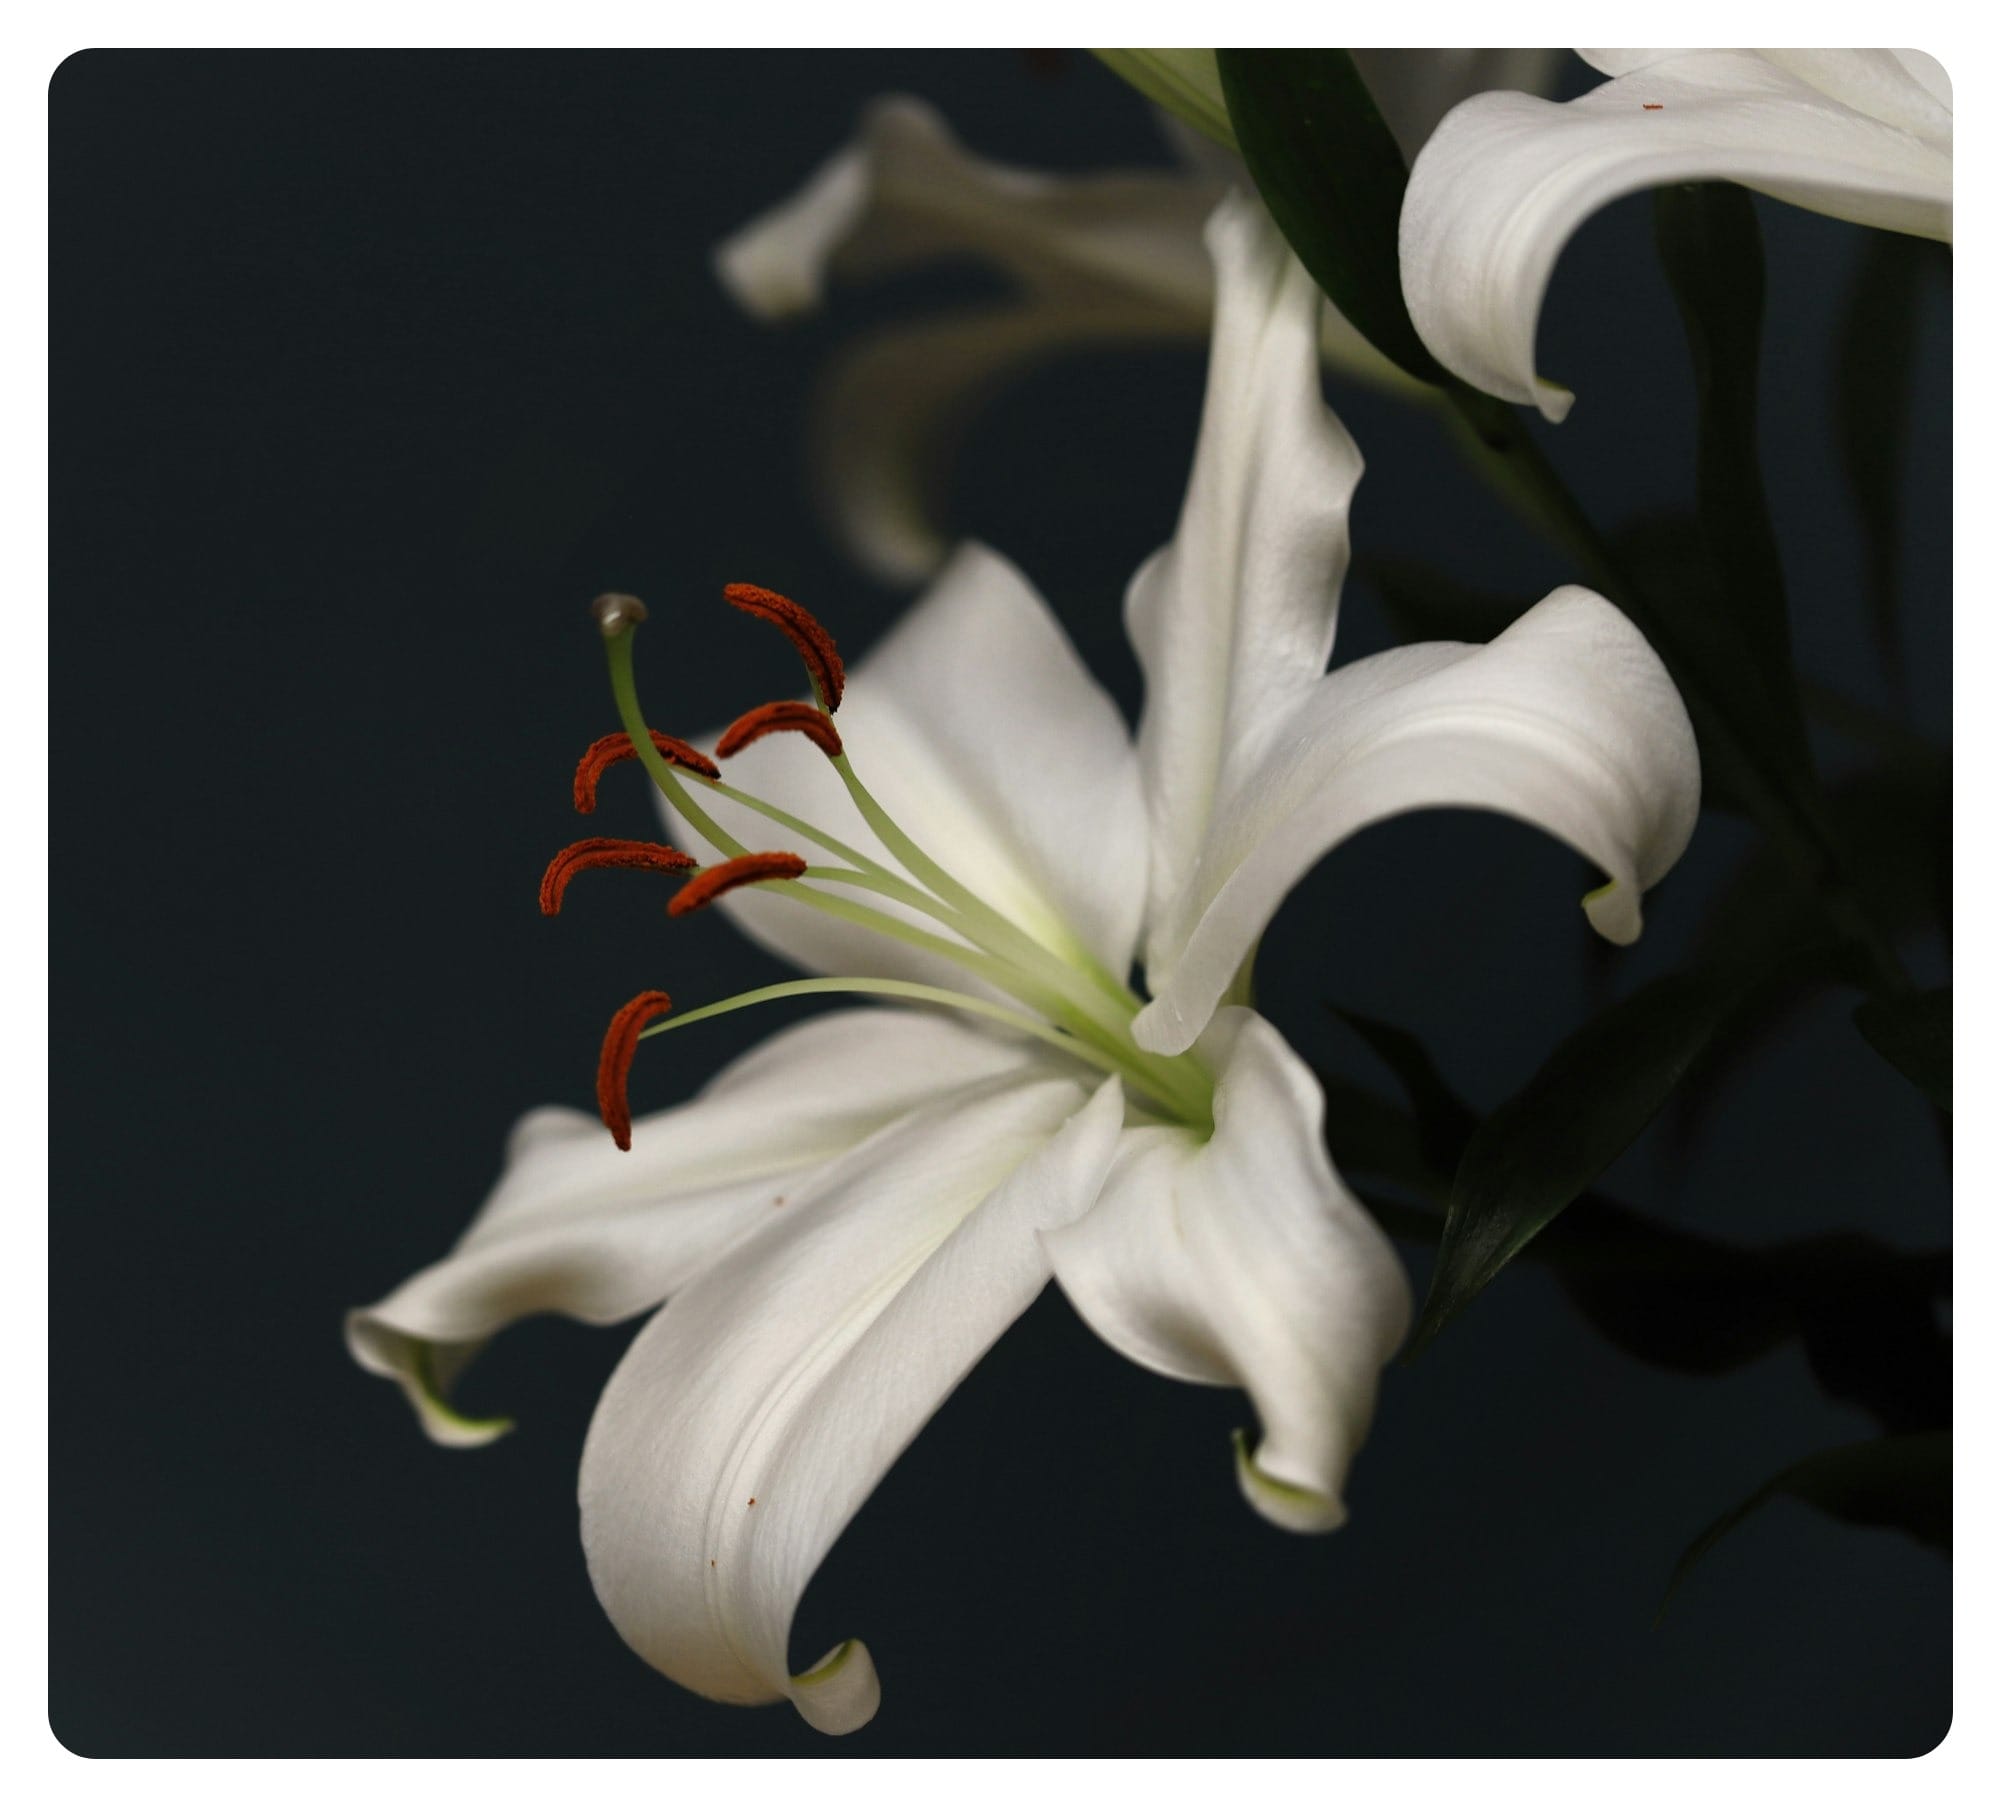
<point>1241,1260</point>
<point>907,192</point>
<point>1567,721</point>
<point>979,729</point>
<point>1234,619</point>
<point>577,1227</point>
<point>1507,179</point>
<point>751,1418</point>
<point>1111,256</point>
<point>1115,256</point>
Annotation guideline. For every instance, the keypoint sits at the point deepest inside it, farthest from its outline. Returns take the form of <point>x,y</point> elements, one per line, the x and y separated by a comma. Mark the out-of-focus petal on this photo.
<point>1111,257</point>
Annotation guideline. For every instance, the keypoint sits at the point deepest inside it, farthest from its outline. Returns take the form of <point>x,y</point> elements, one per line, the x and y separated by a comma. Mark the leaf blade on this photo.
<point>1893,1482</point>
<point>1333,176</point>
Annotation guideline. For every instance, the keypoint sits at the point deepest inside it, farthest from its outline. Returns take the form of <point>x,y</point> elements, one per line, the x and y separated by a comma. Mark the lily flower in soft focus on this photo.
<point>1863,135</point>
<point>843,1220</point>
<point>1110,258</point>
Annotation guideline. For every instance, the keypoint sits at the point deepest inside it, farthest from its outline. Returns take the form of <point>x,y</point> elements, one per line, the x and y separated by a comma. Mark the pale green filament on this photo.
<point>917,993</point>
<point>1078,1006</point>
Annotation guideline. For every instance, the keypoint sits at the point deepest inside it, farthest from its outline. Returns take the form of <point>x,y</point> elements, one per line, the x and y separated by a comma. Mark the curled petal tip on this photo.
<point>841,1691</point>
<point>1282,1502</point>
<point>1613,910</point>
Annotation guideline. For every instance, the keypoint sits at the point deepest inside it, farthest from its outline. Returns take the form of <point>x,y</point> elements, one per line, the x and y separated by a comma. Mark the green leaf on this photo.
<point>1184,82</point>
<point>1874,357</point>
<point>1332,175</point>
<point>1536,1153</point>
<point>1367,1134</point>
<point>1914,1035</point>
<point>1894,1483</point>
<point>1713,255</point>
<point>1895,825</point>
<point>1691,1303</point>
<point>1444,1121</point>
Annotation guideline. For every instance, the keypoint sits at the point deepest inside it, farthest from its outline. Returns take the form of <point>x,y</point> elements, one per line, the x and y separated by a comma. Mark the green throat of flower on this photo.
<point>1061,996</point>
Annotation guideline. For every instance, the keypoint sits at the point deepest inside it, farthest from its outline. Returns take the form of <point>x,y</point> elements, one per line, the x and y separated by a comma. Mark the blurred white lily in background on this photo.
<point>1506,179</point>
<point>843,1221</point>
<point>1095,259</point>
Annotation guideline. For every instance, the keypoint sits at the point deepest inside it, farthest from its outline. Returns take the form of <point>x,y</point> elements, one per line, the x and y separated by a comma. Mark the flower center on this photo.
<point>1067,1000</point>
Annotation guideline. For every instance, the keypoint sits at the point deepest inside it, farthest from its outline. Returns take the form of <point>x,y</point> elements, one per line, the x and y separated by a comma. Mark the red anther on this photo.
<point>777,718</point>
<point>753,868</point>
<point>623,855</point>
<point>614,1062</point>
<point>813,642</point>
<point>614,748</point>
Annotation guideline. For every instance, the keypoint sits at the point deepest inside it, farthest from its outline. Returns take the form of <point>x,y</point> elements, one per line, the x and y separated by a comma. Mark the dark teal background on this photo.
<point>368,372</point>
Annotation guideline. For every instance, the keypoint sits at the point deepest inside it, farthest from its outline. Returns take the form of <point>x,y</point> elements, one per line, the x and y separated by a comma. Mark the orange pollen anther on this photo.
<point>614,1063</point>
<point>812,641</point>
<point>753,868</point>
<point>779,718</point>
<point>621,855</point>
<point>613,749</point>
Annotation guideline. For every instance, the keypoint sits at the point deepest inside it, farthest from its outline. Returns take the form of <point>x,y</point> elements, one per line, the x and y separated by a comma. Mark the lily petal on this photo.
<point>1108,258</point>
<point>984,735</point>
<point>1096,258</point>
<point>1568,721</point>
<point>1241,1260</point>
<point>892,409</point>
<point>1507,179</point>
<point>577,1227</point>
<point>1234,619</point>
<point>751,1418</point>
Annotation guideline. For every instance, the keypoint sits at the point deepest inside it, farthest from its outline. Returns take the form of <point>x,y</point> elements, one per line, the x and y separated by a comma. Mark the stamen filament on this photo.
<point>986,924</point>
<point>624,689</point>
<point>917,993</point>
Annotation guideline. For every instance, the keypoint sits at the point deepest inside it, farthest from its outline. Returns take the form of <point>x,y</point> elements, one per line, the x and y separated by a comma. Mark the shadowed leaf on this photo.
<point>1914,1035</point>
<point>1895,1483</point>
<point>1333,176</point>
<point>1538,1151</point>
<point>1874,358</point>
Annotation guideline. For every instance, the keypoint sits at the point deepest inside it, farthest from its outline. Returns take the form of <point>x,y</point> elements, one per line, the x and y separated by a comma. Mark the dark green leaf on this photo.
<point>1914,1035</point>
<point>1713,255</point>
<point>1538,1151</point>
<point>1445,1122</point>
<point>1878,336</point>
<point>1895,1483</point>
<point>1367,1134</point>
<point>1895,824</point>
<point>1425,604</point>
<point>1691,1303</point>
<point>1332,175</point>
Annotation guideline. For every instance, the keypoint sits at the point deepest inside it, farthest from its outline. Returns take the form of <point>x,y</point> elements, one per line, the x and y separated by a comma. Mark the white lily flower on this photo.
<point>1863,135</point>
<point>1114,258</point>
<point>844,1220</point>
